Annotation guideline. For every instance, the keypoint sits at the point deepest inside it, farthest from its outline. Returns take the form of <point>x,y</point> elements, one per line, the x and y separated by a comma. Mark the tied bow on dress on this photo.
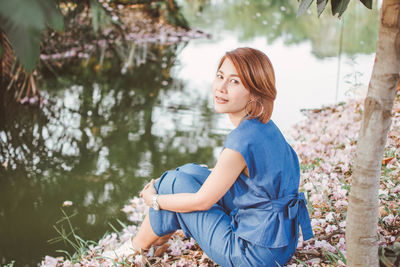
<point>277,212</point>
<point>297,206</point>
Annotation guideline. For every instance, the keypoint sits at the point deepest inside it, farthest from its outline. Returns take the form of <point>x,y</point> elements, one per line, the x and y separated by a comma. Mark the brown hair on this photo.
<point>257,75</point>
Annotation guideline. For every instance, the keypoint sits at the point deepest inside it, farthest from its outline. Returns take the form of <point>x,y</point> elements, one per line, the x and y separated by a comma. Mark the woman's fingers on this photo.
<point>146,187</point>
<point>149,183</point>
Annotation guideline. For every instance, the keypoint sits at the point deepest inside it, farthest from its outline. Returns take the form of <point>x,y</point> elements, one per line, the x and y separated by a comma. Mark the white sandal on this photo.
<point>124,251</point>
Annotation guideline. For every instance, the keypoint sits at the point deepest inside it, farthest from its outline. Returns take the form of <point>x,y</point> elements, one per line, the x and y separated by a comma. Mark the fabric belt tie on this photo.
<point>297,206</point>
<point>294,207</point>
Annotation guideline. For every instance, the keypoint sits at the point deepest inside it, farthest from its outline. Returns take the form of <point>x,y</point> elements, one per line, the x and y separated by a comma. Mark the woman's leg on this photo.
<point>145,237</point>
<point>200,174</point>
<point>166,222</point>
<point>211,229</point>
<point>187,178</point>
<point>163,239</point>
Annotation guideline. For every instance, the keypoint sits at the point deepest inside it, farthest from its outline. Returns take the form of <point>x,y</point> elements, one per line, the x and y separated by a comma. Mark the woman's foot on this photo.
<point>124,251</point>
<point>163,239</point>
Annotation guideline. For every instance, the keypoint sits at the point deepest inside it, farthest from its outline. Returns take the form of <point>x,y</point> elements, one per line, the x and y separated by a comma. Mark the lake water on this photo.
<point>105,132</point>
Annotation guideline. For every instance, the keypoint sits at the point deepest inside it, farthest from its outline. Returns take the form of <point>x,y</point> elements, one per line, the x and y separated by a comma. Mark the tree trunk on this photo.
<point>362,215</point>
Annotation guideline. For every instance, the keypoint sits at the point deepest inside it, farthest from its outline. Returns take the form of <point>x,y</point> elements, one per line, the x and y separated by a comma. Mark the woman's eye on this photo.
<point>234,81</point>
<point>219,76</point>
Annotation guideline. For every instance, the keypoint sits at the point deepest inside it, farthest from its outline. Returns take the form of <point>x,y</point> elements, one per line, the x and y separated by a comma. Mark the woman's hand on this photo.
<point>148,192</point>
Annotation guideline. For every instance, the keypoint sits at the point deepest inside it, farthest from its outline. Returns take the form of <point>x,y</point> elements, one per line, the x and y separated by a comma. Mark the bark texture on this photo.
<point>362,215</point>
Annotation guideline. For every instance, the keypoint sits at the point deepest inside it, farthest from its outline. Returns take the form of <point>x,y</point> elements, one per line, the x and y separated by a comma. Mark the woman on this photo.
<point>247,210</point>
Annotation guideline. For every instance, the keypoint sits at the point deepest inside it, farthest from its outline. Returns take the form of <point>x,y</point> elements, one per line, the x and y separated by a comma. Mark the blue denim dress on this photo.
<point>256,223</point>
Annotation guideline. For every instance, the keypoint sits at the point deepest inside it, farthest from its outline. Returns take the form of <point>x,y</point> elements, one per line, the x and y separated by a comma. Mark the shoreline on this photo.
<point>130,25</point>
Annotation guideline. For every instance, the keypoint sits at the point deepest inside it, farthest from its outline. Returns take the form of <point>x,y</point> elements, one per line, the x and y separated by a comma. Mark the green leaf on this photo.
<point>23,22</point>
<point>24,40</point>
<point>65,252</point>
<point>339,6</point>
<point>53,16</point>
<point>321,4</point>
<point>341,256</point>
<point>95,10</point>
<point>367,3</point>
<point>304,5</point>
<point>113,227</point>
<point>23,12</point>
<point>121,223</point>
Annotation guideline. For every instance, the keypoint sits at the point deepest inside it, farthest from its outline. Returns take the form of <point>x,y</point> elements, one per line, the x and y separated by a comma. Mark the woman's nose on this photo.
<point>221,86</point>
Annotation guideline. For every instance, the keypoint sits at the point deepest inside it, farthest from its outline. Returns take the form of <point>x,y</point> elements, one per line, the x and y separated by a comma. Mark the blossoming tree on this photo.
<point>362,215</point>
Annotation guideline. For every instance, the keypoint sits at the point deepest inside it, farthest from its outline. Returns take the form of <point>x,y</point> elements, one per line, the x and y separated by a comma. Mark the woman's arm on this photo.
<point>229,166</point>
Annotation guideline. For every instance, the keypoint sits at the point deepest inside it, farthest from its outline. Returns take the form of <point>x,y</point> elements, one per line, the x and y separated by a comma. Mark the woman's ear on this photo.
<point>254,97</point>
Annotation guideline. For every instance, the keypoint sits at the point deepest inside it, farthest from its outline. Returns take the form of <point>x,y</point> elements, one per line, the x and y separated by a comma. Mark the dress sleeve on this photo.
<point>239,141</point>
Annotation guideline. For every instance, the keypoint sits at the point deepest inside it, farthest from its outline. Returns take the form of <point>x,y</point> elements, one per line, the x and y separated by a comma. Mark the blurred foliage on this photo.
<point>169,10</point>
<point>100,19</point>
<point>337,6</point>
<point>23,21</point>
<point>277,20</point>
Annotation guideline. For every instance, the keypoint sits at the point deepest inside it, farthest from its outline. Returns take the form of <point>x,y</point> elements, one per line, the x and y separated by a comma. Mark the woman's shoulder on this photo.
<point>252,133</point>
<point>256,129</point>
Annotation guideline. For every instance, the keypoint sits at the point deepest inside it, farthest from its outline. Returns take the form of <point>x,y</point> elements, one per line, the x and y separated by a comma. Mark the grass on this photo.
<point>11,264</point>
<point>333,258</point>
<point>303,262</point>
<point>82,248</point>
<point>329,258</point>
<point>69,236</point>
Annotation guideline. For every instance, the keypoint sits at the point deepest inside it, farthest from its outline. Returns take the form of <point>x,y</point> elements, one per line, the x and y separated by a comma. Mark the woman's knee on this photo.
<point>165,183</point>
<point>190,168</point>
<point>185,183</point>
<point>197,172</point>
<point>173,182</point>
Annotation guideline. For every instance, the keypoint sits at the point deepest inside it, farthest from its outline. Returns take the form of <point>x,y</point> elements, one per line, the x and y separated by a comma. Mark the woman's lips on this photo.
<point>220,100</point>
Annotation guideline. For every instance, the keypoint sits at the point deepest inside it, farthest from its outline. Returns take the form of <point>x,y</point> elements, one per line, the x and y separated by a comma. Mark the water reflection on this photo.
<point>101,135</point>
<point>276,20</point>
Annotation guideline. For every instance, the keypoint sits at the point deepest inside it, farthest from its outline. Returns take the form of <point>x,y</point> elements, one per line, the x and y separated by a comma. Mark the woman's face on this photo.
<point>230,96</point>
